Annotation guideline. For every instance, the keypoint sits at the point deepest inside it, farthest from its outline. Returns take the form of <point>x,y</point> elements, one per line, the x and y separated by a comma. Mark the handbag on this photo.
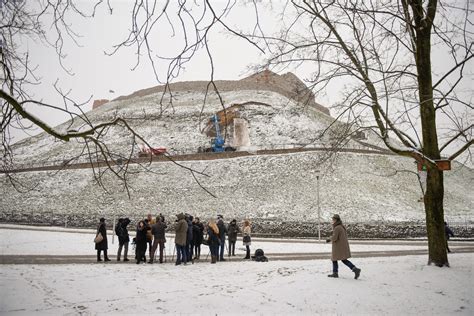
<point>246,238</point>
<point>205,241</point>
<point>98,238</point>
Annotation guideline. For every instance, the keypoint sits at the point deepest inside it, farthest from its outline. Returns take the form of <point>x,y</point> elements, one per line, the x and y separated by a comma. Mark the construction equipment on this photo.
<point>217,143</point>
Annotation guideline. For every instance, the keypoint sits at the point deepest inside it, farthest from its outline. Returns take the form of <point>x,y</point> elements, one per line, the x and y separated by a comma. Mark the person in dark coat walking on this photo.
<point>122,232</point>
<point>141,242</point>
<point>181,230</point>
<point>198,233</point>
<point>340,248</point>
<point>102,246</point>
<point>214,240</point>
<point>449,233</point>
<point>222,233</point>
<point>232,232</point>
<point>158,231</point>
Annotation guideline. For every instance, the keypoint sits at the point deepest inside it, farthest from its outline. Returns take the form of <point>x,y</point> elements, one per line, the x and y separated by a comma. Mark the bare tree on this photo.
<point>380,52</point>
<point>386,49</point>
<point>47,22</point>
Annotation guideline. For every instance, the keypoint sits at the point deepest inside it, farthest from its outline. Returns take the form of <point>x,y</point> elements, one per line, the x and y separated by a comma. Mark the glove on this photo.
<point>328,240</point>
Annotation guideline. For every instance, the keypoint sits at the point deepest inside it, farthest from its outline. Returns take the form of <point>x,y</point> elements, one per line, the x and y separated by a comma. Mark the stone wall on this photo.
<point>287,85</point>
<point>99,102</point>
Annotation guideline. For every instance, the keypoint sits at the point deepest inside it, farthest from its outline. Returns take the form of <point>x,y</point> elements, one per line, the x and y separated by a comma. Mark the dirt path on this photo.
<point>63,259</point>
<point>191,157</point>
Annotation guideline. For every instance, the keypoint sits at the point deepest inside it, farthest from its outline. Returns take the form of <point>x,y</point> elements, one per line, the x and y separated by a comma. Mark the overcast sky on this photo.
<point>99,76</point>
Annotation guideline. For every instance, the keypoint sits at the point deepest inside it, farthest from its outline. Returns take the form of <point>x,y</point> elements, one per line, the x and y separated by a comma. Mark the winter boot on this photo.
<point>213,259</point>
<point>333,275</point>
<point>356,272</point>
<point>98,256</point>
<point>247,256</point>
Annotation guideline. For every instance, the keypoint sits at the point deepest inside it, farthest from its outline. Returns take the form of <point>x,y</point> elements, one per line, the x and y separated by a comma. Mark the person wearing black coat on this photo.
<point>232,231</point>
<point>141,241</point>
<point>189,239</point>
<point>198,233</point>
<point>102,246</point>
<point>122,232</point>
<point>214,240</point>
<point>222,233</point>
<point>449,233</point>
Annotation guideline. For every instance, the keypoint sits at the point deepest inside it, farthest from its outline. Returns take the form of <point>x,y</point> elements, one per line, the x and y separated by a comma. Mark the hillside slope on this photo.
<point>268,189</point>
<point>278,192</point>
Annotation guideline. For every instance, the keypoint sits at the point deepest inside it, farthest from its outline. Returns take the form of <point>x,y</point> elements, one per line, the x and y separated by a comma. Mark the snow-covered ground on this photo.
<point>25,242</point>
<point>388,285</point>
<point>393,286</point>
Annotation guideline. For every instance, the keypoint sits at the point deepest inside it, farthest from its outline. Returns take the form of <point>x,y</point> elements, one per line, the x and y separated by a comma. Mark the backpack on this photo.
<point>118,229</point>
<point>259,256</point>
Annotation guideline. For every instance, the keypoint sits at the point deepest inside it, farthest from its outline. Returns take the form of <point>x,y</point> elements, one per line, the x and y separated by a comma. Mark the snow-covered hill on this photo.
<point>272,190</point>
<point>281,123</point>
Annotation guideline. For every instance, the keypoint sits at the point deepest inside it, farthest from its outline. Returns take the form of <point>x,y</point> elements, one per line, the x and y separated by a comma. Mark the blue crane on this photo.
<point>218,141</point>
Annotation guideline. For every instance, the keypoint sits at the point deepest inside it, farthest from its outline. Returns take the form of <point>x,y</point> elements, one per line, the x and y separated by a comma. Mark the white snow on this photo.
<point>361,188</point>
<point>388,285</point>
<point>26,242</point>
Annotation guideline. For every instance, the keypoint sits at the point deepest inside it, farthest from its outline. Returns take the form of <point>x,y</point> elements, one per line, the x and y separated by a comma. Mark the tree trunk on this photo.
<point>434,194</point>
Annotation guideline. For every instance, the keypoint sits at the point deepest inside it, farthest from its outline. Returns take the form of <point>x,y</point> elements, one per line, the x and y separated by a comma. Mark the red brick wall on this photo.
<point>99,102</point>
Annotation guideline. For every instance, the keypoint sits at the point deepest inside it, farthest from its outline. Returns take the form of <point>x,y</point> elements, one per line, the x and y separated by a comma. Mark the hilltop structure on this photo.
<point>287,84</point>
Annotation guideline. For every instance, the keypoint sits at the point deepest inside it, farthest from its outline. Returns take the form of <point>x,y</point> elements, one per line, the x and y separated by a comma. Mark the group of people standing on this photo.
<point>190,234</point>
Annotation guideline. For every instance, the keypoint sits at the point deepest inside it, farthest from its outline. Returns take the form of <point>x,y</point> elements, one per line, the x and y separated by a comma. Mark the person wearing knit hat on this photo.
<point>102,245</point>
<point>340,248</point>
